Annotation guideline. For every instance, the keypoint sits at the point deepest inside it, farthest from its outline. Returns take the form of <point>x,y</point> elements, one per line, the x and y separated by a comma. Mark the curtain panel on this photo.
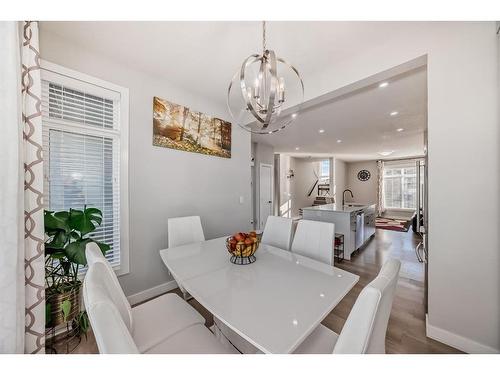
<point>22,270</point>
<point>34,259</point>
<point>380,188</point>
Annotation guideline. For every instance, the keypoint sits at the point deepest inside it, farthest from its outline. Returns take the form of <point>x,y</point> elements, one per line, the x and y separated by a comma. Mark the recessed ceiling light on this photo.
<point>297,148</point>
<point>339,140</point>
<point>383,84</point>
<point>399,129</point>
<point>394,113</point>
<point>294,115</point>
<point>321,130</point>
<point>385,153</point>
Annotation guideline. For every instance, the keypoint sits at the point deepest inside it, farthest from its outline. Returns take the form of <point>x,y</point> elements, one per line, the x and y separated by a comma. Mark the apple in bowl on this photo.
<point>243,244</point>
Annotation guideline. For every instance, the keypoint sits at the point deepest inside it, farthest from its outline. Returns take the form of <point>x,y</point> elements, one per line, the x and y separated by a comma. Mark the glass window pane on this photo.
<point>81,173</point>
<point>400,187</point>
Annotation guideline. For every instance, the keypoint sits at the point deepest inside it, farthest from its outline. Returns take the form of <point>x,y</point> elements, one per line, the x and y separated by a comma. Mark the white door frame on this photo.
<point>261,165</point>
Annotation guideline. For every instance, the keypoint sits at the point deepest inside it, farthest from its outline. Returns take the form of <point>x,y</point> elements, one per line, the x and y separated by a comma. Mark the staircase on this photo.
<point>321,200</point>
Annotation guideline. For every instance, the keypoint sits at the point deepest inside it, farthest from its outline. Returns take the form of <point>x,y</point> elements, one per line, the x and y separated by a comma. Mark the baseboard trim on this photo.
<point>458,342</point>
<point>155,291</point>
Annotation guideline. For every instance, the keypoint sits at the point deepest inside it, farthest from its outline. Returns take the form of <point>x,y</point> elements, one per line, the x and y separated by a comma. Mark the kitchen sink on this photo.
<point>354,205</point>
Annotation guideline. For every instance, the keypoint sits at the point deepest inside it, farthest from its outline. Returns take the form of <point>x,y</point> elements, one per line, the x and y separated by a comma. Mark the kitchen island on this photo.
<point>356,221</point>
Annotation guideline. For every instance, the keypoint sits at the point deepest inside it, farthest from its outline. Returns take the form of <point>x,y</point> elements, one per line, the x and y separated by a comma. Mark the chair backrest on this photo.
<point>111,334</point>
<point>314,239</point>
<point>184,230</point>
<point>278,232</point>
<point>104,285</point>
<point>94,254</point>
<point>366,326</point>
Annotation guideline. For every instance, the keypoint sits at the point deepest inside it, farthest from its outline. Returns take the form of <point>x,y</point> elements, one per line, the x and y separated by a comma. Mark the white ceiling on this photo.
<point>362,121</point>
<point>203,56</point>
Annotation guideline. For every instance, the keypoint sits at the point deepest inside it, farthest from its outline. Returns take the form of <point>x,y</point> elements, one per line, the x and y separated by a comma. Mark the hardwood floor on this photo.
<point>406,330</point>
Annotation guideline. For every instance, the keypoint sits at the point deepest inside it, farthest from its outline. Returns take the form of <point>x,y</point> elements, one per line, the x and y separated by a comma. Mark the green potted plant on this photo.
<point>67,234</point>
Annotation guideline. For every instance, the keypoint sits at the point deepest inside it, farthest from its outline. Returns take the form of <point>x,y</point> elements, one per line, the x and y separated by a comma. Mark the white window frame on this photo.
<point>402,209</point>
<point>321,175</point>
<point>51,68</point>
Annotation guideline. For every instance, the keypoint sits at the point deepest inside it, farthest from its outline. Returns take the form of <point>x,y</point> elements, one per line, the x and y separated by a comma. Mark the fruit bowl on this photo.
<point>242,247</point>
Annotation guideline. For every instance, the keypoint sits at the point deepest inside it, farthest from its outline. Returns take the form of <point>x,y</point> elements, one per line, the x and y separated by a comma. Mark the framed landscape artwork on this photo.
<point>178,127</point>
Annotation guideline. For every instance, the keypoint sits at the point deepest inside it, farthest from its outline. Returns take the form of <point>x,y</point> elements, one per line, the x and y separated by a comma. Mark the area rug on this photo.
<point>392,224</point>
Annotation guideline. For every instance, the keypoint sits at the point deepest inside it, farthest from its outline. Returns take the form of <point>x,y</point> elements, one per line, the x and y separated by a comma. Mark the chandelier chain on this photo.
<point>263,37</point>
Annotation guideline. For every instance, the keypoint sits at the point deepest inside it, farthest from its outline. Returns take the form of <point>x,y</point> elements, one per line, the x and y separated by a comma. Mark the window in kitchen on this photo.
<point>85,143</point>
<point>400,183</point>
<point>324,171</point>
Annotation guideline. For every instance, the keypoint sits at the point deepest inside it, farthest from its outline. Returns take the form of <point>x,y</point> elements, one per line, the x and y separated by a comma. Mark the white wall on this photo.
<point>364,191</point>
<point>263,154</point>
<point>164,182</point>
<point>464,242</point>
<point>285,194</point>
<point>339,178</point>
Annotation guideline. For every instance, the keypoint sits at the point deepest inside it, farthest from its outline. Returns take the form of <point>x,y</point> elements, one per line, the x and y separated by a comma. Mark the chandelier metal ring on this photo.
<point>264,101</point>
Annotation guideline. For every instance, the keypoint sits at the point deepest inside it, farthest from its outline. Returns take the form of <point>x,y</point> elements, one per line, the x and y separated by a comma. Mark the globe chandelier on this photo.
<point>265,95</point>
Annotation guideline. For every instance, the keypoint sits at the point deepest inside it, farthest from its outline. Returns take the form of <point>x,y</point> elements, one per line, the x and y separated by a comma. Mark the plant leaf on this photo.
<point>83,322</point>
<point>75,251</point>
<point>48,313</point>
<point>94,214</point>
<point>74,235</point>
<point>57,255</point>
<point>83,221</point>
<point>66,308</point>
<point>58,241</point>
<point>54,223</point>
<point>63,215</point>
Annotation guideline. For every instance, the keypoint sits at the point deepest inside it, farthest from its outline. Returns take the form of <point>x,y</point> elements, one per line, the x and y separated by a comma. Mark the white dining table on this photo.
<point>273,303</point>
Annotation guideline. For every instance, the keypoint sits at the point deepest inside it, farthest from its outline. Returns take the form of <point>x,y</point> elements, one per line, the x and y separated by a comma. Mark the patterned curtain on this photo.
<point>22,271</point>
<point>34,260</point>
<point>380,188</point>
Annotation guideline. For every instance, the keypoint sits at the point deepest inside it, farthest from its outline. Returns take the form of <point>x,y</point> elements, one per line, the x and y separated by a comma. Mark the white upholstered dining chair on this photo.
<point>277,232</point>
<point>114,336</point>
<point>183,231</point>
<point>365,328</point>
<point>148,323</point>
<point>314,239</point>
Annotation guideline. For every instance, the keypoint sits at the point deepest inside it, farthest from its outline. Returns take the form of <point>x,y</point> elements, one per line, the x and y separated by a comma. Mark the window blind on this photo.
<point>81,142</point>
<point>400,185</point>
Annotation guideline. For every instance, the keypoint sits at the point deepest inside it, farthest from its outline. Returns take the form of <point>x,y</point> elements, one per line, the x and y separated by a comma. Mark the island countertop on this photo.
<point>334,207</point>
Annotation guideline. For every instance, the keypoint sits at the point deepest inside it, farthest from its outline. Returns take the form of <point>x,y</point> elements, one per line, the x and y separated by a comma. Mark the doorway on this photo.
<point>265,193</point>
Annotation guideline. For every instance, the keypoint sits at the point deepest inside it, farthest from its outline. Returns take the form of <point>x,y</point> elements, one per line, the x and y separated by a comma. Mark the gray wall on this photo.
<point>364,191</point>
<point>165,183</point>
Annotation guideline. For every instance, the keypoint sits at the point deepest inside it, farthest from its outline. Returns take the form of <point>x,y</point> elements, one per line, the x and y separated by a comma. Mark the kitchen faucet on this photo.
<point>343,196</point>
